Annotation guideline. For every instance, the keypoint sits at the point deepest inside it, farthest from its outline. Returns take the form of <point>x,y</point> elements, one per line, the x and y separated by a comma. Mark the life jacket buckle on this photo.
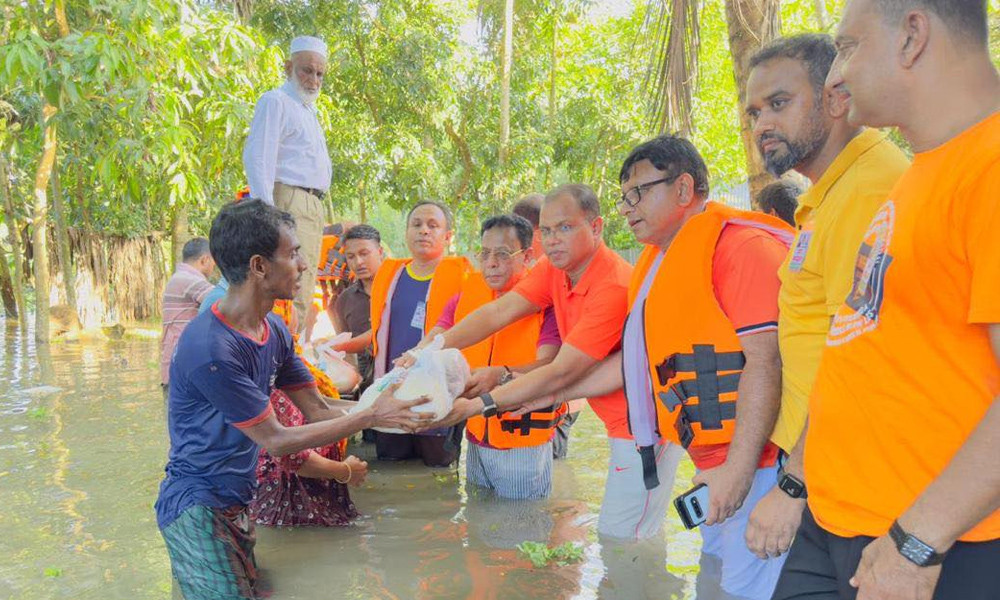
<point>685,433</point>
<point>667,370</point>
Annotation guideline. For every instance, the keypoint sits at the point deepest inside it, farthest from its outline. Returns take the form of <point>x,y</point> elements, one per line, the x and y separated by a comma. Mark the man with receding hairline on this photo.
<point>408,297</point>
<point>904,415</point>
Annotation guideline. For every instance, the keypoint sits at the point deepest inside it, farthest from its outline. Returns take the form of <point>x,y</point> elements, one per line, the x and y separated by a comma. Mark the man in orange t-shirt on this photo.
<point>586,283</point>
<point>904,419</point>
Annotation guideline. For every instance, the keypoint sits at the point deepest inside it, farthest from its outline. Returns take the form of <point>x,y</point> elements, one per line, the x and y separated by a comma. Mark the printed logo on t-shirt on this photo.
<point>860,311</point>
<point>799,251</point>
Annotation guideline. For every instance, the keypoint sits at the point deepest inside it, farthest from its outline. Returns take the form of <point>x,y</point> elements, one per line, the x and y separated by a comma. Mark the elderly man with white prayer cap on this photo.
<point>285,155</point>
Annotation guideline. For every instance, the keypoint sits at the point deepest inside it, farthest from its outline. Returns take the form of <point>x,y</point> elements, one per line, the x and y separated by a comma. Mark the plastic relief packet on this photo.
<point>440,374</point>
<point>342,373</point>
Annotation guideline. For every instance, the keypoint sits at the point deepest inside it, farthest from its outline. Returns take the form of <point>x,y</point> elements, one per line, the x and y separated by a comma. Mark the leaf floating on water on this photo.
<point>52,572</point>
<point>541,555</point>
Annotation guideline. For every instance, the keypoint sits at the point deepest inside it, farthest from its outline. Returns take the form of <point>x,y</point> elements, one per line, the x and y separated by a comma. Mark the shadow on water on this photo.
<point>82,449</point>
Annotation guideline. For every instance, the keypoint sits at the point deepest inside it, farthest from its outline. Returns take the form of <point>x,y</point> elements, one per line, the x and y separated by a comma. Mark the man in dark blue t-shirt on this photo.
<point>226,364</point>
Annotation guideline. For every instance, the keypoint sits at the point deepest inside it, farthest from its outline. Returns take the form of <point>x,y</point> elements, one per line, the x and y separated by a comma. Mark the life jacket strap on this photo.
<point>649,476</point>
<point>527,422</point>
<point>707,385</point>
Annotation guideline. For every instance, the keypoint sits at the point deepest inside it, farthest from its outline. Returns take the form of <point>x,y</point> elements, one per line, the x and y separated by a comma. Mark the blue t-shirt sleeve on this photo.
<point>292,372</point>
<point>231,391</point>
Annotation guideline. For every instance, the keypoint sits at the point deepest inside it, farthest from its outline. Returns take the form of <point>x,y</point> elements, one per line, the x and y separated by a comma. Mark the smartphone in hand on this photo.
<point>692,506</point>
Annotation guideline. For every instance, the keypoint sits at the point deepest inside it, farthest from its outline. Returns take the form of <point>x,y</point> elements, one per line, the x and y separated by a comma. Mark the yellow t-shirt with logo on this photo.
<point>816,276</point>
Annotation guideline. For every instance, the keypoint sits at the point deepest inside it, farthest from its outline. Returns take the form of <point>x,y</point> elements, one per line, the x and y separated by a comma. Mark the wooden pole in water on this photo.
<point>14,234</point>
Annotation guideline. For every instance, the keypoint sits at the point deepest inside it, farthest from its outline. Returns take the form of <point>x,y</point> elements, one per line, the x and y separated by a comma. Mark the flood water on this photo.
<point>82,449</point>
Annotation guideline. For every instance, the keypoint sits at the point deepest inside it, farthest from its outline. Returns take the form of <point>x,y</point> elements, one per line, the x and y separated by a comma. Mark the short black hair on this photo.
<point>529,207</point>
<point>814,50</point>
<point>444,209</point>
<point>673,155</point>
<point>243,230</point>
<point>194,249</point>
<point>584,195</point>
<point>363,232</point>
<point>521,226</point>
<point>967,17</point>
<point>782,197</point>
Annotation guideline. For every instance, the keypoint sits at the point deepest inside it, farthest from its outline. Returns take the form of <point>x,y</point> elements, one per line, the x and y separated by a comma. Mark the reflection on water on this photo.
<point>82,449</point>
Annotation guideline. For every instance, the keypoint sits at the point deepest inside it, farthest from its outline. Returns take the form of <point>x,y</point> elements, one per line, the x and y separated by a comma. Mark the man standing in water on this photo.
<point>285,155</point>
<point>904,415</point>
<point>407,299</point>
<point>228,361</point>
<point>187,288</point>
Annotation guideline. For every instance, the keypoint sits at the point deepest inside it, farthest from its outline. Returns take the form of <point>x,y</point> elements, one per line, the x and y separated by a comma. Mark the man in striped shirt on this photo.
<point>182,296</point>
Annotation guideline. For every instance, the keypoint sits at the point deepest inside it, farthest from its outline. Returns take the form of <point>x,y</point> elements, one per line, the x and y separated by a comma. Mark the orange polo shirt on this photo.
<point>908,372</point>
<point>590,315</point>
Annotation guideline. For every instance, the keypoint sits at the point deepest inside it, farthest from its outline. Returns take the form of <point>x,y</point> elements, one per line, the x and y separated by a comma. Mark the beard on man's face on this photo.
<point>306,96</point>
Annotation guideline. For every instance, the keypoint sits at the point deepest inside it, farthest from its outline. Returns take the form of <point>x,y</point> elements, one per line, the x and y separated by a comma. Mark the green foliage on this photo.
<point>540,554</point>
<point>155,98</point>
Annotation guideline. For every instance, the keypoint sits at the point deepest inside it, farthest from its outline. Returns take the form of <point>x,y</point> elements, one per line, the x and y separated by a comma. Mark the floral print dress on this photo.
<point>283,499</point>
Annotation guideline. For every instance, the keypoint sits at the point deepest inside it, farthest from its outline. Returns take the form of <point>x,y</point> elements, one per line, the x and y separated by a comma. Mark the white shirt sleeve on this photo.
<point>260,154</point>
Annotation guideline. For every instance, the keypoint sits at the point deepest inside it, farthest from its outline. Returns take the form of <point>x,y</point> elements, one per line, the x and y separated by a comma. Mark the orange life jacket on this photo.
<point>446,282</point>
<point>695,356</point>
<point>512,346</point>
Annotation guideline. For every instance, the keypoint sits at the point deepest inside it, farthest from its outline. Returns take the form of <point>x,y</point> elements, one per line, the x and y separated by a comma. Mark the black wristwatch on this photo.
<point>791,485</point>
<point>913,549</point>
<point>489,406</point>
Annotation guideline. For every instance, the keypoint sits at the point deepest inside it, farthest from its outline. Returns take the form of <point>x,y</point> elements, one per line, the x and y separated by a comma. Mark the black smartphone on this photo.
<point>692,506</point>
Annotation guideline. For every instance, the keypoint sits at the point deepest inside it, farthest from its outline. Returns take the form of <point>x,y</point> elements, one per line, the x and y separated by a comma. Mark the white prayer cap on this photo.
<point>307,43</point>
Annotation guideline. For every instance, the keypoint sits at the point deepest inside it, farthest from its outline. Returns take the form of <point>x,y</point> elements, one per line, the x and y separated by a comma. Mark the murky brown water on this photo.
<point>80,467</point>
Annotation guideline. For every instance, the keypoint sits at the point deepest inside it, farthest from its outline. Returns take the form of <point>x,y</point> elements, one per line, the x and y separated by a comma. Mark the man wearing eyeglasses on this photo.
<point>699,359</point>
<point>510,455</point>
<point>586,283</point>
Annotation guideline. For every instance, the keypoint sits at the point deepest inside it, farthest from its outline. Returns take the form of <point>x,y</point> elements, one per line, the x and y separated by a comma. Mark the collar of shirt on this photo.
<point>357,288</point>
<point>813,197</point>
<point>189,270</point>
<point>592,274</point>
<point>289,88</point>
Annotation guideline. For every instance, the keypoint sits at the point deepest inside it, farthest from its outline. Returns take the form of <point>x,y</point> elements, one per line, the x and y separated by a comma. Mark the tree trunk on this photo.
<point>7,287</point>
<point>179,236</point>
<point>821,16</point>
<point>362,207</point>
<point>14,233</point>
<point>553,63</point>
<point>243,10</point>
<point>751,23</point>
<point>506,60</point>
<point>40,226</point>
<point>62,240</point>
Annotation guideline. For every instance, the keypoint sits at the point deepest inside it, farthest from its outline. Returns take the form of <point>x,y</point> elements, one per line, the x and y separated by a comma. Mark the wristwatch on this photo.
<point>791,485</point>
<point>913,549</point>
<point>507,376</point>
<point>489,406</point>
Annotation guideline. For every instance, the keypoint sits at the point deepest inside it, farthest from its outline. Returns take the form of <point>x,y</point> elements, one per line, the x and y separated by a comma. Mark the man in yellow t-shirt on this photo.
<point>800,124</point>
<point>904,414</point>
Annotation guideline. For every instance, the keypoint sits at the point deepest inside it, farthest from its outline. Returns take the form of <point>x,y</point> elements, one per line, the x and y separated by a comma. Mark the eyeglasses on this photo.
<point>501,255</point>
<point>634,195</point>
